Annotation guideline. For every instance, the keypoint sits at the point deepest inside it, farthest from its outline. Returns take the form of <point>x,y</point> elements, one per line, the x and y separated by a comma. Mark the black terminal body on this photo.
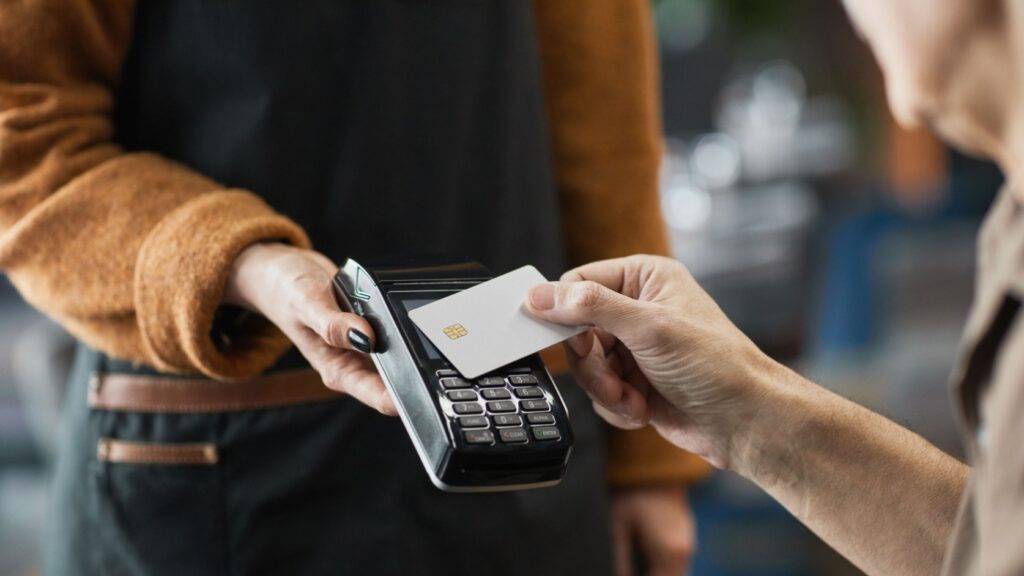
<point>507,430</point>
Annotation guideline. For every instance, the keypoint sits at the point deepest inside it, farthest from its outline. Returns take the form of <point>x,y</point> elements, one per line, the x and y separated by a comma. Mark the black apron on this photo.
<point>381,127</point>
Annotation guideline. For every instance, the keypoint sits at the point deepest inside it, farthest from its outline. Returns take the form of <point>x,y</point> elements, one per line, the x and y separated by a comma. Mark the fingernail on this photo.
<point>359,341</point>
<point>542,297</point>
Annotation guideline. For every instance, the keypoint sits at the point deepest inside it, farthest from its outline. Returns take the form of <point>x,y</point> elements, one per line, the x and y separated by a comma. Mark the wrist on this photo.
<point>765,449</point>
<point>248,275</point>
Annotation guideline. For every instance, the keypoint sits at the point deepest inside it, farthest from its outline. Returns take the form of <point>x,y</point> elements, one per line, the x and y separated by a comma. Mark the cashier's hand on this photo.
<point>655,523</point>
<point>660,351</point>
<point>292,288</point>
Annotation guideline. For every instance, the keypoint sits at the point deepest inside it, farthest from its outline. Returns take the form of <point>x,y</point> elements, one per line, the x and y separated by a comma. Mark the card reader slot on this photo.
<point>513,471</point>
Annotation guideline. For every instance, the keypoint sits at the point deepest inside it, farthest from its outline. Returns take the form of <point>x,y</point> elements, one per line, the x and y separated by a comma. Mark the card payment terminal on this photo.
<point>507,430</point>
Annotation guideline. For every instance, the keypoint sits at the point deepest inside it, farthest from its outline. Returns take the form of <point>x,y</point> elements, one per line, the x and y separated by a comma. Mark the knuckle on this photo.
<point>306,287</point>
<point>571,276</point>
<point>591,384</point>
<point>333,329</point>
<point>661,327</point>
<point>324,262</point>
<point>586,296</point>
<point>332,380</point>
<point>296,307</point>
<point>662,265</point>
<point>309,280</point>
<point>334,375</point>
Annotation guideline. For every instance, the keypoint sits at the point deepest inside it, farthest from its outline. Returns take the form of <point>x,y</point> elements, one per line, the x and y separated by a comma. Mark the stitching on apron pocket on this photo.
<point>124,452</point>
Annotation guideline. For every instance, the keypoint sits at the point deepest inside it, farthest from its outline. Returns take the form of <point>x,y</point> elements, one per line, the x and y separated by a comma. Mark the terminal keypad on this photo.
<point>511,408</point>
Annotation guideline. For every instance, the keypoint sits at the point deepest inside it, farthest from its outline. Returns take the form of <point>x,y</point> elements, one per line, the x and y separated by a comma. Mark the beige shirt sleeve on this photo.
<point>989,386</point>
<point>998,482</point>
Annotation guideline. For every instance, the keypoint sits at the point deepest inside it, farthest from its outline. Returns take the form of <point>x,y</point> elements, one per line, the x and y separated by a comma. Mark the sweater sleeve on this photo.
<point>601,92</point>
<point>128,251</point>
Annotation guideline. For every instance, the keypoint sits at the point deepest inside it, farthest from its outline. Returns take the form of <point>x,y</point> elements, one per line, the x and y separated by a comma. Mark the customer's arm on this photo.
<point>131,252</point>
<point>662,352</point>
<point>881,495</point>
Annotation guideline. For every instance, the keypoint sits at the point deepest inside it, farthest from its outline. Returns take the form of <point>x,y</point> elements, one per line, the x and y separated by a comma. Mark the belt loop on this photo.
<point>95,383</point>
<point>102,362</point>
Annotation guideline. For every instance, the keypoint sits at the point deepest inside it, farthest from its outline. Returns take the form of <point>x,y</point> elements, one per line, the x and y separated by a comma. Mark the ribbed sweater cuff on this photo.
<point>180,277</point>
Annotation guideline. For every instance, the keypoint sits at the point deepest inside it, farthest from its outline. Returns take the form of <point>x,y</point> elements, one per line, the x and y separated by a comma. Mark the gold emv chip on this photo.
<point>455,331</point>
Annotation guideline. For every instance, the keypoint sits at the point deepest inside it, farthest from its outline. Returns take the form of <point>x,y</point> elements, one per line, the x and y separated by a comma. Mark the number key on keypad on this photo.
<point>467,408</point>
<point>455,383</point>
<point>523,380</point>
<point>461,395</point>
<point>491,381</point>
<point>530,392</point>
<point>534,405</point>
<point>501,406</point>
<point>495,393</point>
<point>507,420</point>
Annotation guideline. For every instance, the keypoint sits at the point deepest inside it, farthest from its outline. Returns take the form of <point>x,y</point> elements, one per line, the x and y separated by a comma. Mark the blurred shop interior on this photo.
<point>794,199</point>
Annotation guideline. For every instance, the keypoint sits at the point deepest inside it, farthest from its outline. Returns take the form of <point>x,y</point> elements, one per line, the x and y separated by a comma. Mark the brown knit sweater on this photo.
<point>130,251</point>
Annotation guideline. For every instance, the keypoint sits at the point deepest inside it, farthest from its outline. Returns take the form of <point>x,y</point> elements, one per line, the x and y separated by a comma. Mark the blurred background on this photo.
<point>843,244</point>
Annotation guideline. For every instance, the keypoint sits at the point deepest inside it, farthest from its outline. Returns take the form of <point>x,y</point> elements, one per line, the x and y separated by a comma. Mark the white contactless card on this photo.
<point>486,327</point>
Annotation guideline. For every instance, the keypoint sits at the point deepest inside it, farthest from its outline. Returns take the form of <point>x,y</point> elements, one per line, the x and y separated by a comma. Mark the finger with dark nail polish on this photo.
<point>359,341</point>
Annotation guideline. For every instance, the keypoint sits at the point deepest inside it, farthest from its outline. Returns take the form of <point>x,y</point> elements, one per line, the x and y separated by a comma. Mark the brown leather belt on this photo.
<point>138,393</point>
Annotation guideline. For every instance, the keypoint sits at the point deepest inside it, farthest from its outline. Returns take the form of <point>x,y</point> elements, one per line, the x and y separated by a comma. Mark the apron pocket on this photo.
<point>159,508</point>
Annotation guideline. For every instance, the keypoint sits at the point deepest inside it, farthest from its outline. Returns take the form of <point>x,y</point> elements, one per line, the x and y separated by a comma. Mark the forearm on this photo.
<point>878,493</point>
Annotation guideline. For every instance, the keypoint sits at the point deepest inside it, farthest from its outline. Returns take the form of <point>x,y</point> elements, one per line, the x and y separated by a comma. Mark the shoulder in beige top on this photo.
<point>989,386</point>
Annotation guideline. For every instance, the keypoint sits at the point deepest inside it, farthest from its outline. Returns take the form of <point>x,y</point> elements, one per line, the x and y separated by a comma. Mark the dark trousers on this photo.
<point>322,486</point>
